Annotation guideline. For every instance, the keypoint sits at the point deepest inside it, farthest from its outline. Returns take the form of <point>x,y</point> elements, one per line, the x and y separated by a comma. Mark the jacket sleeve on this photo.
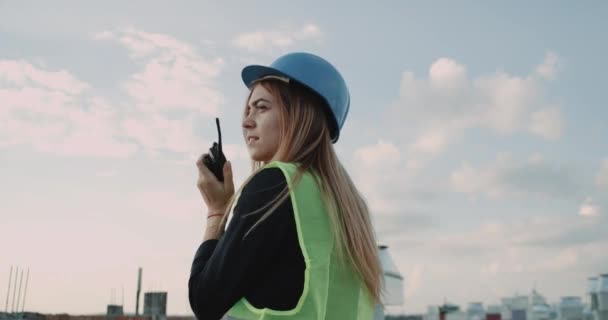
<point>224,270</point>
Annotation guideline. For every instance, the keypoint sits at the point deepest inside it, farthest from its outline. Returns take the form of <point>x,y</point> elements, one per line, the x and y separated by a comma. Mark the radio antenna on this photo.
<point>219,134</point>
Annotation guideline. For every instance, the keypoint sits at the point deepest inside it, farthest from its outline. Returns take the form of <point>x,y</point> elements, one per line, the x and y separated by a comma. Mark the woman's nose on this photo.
<point>248,123</point>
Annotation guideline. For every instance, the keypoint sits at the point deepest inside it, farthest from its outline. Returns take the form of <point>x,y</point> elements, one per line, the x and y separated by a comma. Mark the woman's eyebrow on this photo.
<point>254,103</point>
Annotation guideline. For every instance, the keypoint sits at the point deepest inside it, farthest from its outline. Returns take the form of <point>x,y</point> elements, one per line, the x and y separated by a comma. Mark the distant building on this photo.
<point>476,311</point>
<point>601,291</point>
<point>571,308</point>
<point>155,305</point>
<point>114,311</point>
<point>22,316</point>
<point>494,312</point>
<point>447,309</point>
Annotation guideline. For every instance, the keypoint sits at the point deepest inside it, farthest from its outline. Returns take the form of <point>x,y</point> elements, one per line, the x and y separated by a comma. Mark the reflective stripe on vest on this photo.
<point>330,290</point>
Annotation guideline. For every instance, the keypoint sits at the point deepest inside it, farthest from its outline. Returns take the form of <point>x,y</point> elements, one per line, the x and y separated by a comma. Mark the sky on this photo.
<point>477,135</point>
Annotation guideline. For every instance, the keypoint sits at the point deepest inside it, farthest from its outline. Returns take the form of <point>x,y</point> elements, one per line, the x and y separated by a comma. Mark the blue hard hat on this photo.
<point>316,74</point>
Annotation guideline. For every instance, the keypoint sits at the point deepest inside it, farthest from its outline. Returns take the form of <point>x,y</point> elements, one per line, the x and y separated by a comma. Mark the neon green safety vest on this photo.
<point>330,291</point>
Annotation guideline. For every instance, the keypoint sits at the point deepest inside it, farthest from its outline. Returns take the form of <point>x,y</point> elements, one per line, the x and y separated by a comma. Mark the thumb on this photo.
<point>228,181</point>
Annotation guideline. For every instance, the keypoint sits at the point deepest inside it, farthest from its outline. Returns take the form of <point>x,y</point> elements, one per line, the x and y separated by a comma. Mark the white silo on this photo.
<point>602,297</point>
<point>571,308</point>
<point>393,283</point>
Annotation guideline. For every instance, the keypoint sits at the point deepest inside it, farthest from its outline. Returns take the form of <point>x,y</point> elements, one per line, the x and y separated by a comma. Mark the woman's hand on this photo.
<point>216,194</point>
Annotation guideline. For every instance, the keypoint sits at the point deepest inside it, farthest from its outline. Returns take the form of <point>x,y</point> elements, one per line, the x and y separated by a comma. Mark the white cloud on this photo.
<point>534,244</point>
<point>601,179</point>
<point>492,268</point>
<point>310,31</point>
<point>55,112</point>
<point>447,74</point>
<point>168,204</point>
<point>536,158</point>
<point>547,123</point>
<point>141,43</point>
<point>413,280</point>
<point>20,73</point>
<point>499,254</point>
<point>380,154</point>
<point>470,180</point>
<point>432,142</point>
<point>386,182</point>
<point>374,168</point>
<point>84,141</point>
<point>157,132</point>
<point>565,259</point>
<point>588,208</point>
<point>449,102</point>
<point>503,102</point>
<point>174,76</point>
<point>549,67</point>
<point>107,173</point>
<point>507,176</point>
<point>269,41</point>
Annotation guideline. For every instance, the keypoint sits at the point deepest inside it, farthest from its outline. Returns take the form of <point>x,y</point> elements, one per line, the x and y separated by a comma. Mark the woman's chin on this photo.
<point>254,157</point>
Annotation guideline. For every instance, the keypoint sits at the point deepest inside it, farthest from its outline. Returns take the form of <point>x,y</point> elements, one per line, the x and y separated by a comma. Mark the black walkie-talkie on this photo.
<point>215,160</point>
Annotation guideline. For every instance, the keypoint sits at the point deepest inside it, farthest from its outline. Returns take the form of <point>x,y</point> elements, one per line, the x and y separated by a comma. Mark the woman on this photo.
<point>300,244</point>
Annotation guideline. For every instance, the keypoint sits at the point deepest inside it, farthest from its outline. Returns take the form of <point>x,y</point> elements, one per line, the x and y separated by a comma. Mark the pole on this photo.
<point>27,278</point>
<point>8,292</point>
<point>14,291</point>
<point>19,292</point>
<point>138,291</point>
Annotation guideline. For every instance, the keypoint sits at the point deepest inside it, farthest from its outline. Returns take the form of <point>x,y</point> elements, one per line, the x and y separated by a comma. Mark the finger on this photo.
<point>199,161</point>
<point>205,175</point>
<point>209,177</point>
<point>201,164</point>
<point>228,181</point>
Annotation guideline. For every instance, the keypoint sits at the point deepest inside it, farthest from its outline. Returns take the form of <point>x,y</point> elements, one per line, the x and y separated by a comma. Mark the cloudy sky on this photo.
<point>477,134</point>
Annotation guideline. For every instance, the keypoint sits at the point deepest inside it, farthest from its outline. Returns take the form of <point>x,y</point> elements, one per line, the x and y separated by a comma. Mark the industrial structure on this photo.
<point>155,305</point>
<point>138,291</point>
<point>533,307</point>
<point>17,291</point>
<point>393,282</point>
<point>113,311</point>
<point>517,307</point>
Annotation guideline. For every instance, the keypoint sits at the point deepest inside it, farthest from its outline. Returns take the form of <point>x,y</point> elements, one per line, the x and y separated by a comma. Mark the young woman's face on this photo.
<point>261,125</point>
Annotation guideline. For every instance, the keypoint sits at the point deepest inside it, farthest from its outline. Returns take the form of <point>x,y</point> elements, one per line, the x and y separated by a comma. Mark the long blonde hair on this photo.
<point>305,139</point>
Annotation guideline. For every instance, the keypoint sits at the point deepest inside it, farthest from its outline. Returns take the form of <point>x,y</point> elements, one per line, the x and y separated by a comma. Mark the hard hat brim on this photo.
<point>255,72</point>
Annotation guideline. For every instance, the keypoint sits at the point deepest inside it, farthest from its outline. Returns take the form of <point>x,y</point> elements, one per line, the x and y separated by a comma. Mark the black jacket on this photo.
<point>267,267</point>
